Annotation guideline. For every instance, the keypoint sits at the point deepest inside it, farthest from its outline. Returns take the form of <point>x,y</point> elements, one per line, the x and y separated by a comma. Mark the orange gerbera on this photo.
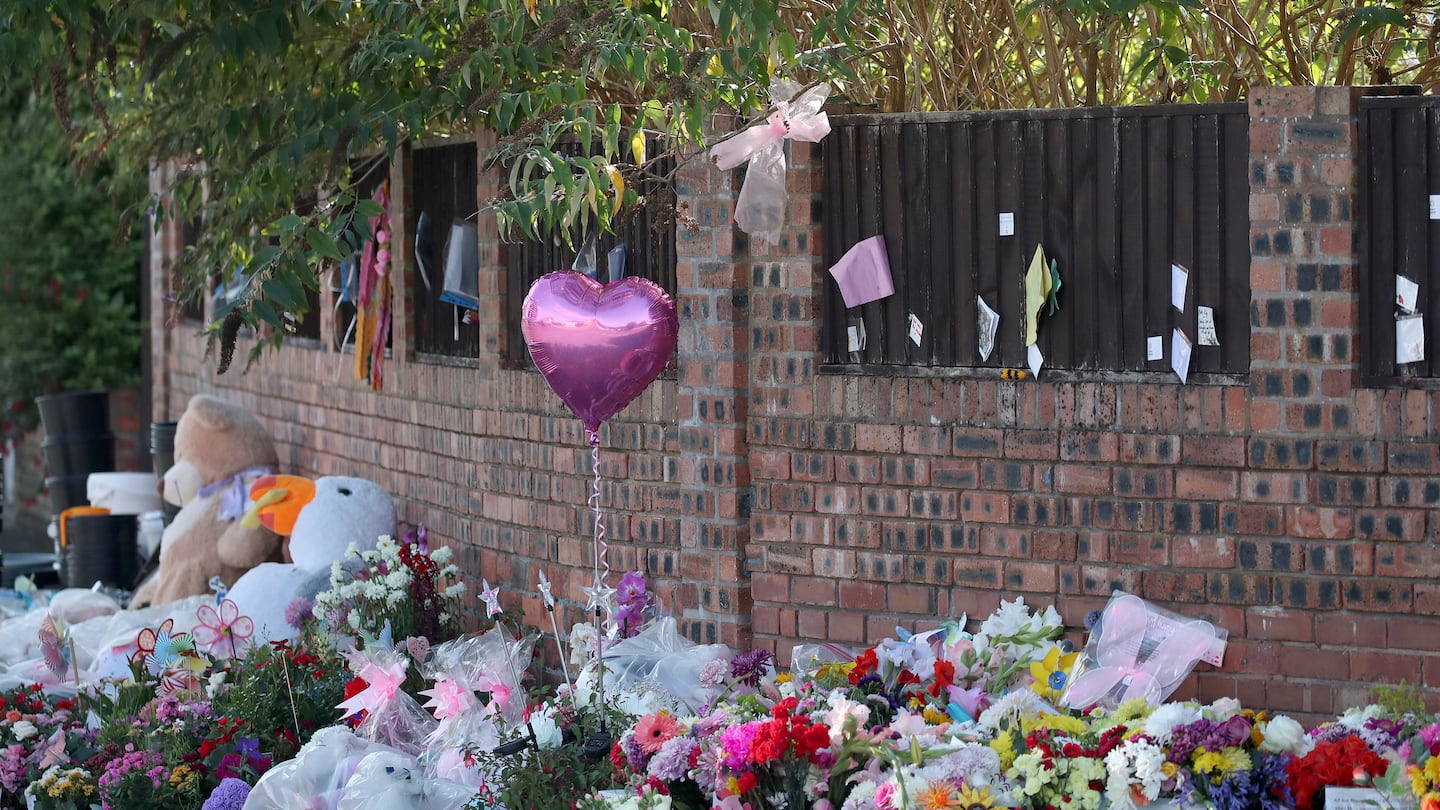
<point>938,795</point>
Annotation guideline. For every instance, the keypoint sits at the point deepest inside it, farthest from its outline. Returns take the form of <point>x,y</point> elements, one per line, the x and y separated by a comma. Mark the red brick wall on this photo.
<point>777,503</point>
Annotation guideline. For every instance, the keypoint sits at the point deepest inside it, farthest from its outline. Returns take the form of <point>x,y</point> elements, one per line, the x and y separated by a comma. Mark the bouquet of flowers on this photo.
<point>404,585</point>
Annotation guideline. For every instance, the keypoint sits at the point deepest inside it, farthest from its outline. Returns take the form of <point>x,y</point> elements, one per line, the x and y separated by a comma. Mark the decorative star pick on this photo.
<point>545,591</point>
<point>491,597</point>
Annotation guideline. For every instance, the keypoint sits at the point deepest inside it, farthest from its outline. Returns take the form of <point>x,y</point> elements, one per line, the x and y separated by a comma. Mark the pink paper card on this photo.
<point>863,273</point>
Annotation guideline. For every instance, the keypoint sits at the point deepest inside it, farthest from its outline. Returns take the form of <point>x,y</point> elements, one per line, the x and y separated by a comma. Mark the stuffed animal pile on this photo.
<point>220,449</point>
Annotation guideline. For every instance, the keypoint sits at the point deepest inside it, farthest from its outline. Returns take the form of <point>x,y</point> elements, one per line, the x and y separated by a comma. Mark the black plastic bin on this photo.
<point>99,548</point>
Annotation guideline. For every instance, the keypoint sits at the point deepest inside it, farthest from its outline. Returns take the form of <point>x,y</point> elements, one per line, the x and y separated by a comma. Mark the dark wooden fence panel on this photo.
<point>1399,171</point>
<point>649,236</point>
<point>1114,195</point>
<point>442,186</point>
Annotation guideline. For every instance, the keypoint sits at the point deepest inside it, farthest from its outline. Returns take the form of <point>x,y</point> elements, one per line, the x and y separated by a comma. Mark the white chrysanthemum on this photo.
<point>398,579</point>
<point>1012,707</point>
<point>353,619</point>
<point>455,590</point>
<point>1010,619</point>
<point>861,798</point>
<point>1164,720</point>
<point>442,555</point>
<point>351,550</point>
<point>375,590</point>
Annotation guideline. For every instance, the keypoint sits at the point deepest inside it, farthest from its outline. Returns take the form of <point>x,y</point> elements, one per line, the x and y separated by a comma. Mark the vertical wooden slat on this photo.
<point>1080,277</point>
<point>1209,239</point>
<point>916,211</point>
<point>1412,212</point>
<point>1183,221</point>
<point>1232,316</point>
<point>1011,251</point>
<point>1132,212</point>
<point>963,244</point>
<point>946,309</point>
<point>1378,340</point>
<point>877,326</point>
<point>1160,214</point>
<point>1061,240</point>
<point>1106,286</point>
<point>892,205</point>
<point>985,185</point>
<point>1432,317</point>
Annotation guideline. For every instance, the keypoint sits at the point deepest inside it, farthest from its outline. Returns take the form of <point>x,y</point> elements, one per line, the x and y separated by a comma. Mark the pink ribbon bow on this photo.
<point>449,699</point>
<point>795,115</point>
<point>382,682</point>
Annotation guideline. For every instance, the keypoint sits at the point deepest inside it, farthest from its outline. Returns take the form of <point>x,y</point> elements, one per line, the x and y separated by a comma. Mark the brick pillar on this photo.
<point>164,246</point>
<point>1305,308</point>
<point>493,278</point>
<point>712,271</point>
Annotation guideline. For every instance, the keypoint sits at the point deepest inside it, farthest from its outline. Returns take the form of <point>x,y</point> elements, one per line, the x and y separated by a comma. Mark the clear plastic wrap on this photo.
<point>807,659</point>
<point>315,779</point>
<point>386,780</point>
<point>658,657</point>
<point>1138,650</point>
<point>489,663</point>
<point>392,717</point>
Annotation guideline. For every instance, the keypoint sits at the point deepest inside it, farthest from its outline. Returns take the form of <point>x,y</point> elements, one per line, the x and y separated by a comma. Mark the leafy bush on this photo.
<point>69,270</point>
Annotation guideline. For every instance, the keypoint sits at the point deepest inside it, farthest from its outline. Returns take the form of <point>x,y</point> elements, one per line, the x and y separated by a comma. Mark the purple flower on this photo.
<point>748,667</point>
<point>418,536</point>
<point>1231,733</point>
<point>631,593</point>
<point>247,747</point>
<point>230,794</point>
<point>298,612</point>
<point>634,753</point>
<point>672,762</point>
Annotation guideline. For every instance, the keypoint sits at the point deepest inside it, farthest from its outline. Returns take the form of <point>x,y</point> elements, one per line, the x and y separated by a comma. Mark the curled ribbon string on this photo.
<point>602,549</point>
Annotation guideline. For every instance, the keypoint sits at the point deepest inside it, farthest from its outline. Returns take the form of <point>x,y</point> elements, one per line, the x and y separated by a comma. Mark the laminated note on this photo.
<point>1007,224</point>
<point>1406,293</point>
<point>1155,348</point>
<point>917,329</point>
<point>987,321</point>
<point>1180,354</point>
<point>1410,339</point>
<point>1179,279</point>
<point>856,335</point>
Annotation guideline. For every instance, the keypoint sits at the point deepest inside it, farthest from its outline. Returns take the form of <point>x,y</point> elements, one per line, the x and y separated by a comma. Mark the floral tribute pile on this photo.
<point>382,703</point>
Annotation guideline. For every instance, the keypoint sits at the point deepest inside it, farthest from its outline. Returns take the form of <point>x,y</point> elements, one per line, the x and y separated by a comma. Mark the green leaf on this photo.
<point>323,244</point>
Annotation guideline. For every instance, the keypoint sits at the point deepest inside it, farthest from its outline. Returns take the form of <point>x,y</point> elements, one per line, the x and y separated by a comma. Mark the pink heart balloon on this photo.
<point>598,345</point>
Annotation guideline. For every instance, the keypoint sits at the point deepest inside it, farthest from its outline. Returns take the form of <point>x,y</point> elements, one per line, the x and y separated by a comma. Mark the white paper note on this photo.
<point>986,322</point>
<point>857,337</point>
<point>1353,798</point>
<point>1007,223</point>
<point>1035,359</point>
<point>1179,278</point>
<point>1410,339</point>
<point>1407,293</point>
<point>1155,348</point>
<point>1435,206</point>
<point>1207,326</point>
<point>916,329</point>
<point>1180,355</point>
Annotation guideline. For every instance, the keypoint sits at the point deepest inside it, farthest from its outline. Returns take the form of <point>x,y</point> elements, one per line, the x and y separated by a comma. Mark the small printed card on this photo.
<point>1155,348</point>
<point>1007,223</point>
<point>1435,206</point>
<point>856,335</point>
<point>1207,326</point>
<point>1407,293</point>
<point>987,321</point>
<point>917,329</point>
<point>1353,798</point>
<point>1035,360</point>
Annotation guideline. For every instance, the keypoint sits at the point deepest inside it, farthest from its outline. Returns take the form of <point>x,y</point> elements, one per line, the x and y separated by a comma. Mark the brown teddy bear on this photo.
<point>220,450</point>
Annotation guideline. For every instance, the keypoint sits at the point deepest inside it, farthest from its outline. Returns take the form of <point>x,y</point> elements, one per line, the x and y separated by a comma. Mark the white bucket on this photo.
<point>124,493</point>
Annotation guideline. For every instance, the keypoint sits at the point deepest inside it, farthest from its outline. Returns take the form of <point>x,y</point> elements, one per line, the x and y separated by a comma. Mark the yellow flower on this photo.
<point>181,776</point>
<point>1005,747</point>
<point>1432,770</point>
<point>1062,723</point>
<point>1419,783</point>
<point>1052,673</point>
<point>1218,763</point>
<point>935,717</point>
<point>783,677</point>
<point>973,799</point>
